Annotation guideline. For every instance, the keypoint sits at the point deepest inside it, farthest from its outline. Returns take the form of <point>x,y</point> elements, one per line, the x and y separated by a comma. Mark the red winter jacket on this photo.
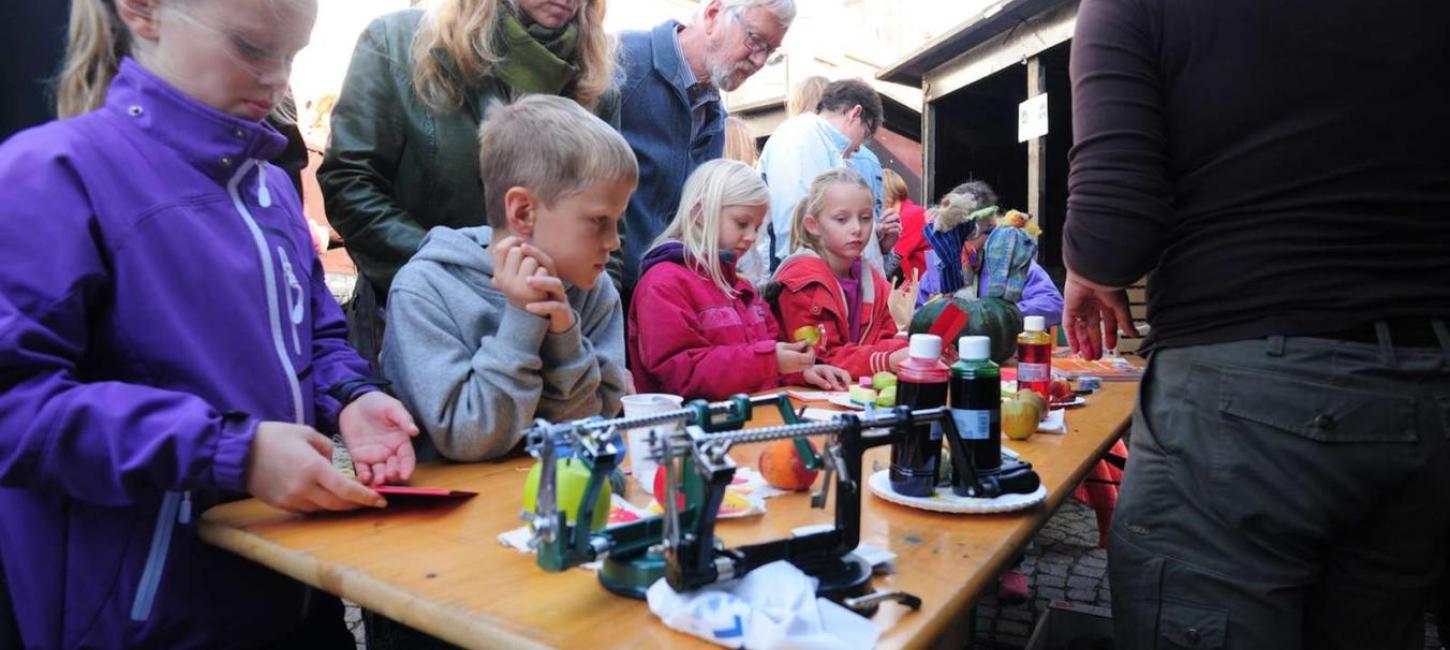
<point>689,338</point>
<point>912,246</point>
<point>810,295</point>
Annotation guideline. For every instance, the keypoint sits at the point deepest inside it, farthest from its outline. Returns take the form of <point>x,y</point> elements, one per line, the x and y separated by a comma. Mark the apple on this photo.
<point>862,395</point>
<point>808,333</point>
<point>571,478</point>
<point>1060,390</point>
<point>1035,398</point>
<point>886,397</point>
<point>659,490</point>
<point>782,467</point>
<point>882,380</point>
<point>1019,419</point>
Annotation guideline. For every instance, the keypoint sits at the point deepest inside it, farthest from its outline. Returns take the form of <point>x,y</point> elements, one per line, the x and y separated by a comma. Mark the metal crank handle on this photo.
<point>865,603</point>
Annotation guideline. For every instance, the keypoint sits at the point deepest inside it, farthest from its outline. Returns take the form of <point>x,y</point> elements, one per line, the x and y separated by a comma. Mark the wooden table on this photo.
<point>442,569</point>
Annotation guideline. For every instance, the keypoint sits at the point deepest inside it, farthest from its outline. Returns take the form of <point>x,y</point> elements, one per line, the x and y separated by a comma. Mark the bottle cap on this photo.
<point>1034,324</point>
<point>924,346</point>
<point>975,348</point>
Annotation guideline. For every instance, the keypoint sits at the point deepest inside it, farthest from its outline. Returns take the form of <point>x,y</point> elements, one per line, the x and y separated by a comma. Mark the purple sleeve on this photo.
<point>104,442</point>
<point>1119,188</point>
<point>1040,297</point>
<point>333,360</point>
<point>930,282</point>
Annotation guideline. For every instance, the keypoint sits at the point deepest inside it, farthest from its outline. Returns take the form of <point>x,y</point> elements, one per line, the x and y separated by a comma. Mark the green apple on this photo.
<point>1035,399</point>
<point>808,333</point>
<point>883,379</point>
<point>886,397</point>
<point>1019,419</point>
<point>862,395</point>
<point>572,477</point>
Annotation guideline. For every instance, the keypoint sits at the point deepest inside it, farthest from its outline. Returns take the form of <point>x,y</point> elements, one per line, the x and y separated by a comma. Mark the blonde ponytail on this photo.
<point>97,42</point>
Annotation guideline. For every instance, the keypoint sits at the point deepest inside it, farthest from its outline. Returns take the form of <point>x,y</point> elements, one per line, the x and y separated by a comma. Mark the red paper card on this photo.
<point>425,492</point>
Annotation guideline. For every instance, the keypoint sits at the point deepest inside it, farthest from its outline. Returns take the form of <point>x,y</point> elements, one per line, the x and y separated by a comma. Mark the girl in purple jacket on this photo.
<point>167,341</point>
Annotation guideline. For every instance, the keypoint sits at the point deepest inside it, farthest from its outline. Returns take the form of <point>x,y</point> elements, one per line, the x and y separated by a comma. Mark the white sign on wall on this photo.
<point>1032,118</point>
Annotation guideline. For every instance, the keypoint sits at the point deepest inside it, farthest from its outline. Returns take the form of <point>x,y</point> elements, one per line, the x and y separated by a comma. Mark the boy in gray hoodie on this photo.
<point>490,327</point>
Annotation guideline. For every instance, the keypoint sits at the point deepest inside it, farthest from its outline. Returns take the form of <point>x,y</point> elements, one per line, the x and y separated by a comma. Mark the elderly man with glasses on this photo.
<point>670,108</point>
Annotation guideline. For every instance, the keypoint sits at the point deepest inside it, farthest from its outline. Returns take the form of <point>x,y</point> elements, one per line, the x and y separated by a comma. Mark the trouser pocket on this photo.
<point>1157,603</point>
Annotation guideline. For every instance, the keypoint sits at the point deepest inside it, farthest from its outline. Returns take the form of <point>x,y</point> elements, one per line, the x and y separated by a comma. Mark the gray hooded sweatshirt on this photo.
<point>476,371</point>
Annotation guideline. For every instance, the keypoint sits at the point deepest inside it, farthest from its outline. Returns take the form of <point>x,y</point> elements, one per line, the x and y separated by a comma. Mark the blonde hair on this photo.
<point>810,204</point>
<point>551,146</point>
<point>715,185</point>
<point>740,141</point>
<point>457,44</point>
<point>97,40</point>
<point>806,95</point>
<point>893,189</point>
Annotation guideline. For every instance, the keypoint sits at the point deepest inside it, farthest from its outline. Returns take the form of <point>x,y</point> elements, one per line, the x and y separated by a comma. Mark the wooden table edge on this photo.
<point>471,631</point>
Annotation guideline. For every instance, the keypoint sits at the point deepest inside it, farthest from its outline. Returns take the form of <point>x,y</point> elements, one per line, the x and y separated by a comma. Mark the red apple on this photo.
<point>1060,390</point>
<point>782,467</point>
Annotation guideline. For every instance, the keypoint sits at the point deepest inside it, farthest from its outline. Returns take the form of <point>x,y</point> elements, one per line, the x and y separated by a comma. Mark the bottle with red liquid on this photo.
<point>921,382</point>
<point>1034,357</point>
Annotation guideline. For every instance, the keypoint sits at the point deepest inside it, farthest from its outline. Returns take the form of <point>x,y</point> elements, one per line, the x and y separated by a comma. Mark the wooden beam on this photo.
<point>929,146</point>
<point>1037,148</point>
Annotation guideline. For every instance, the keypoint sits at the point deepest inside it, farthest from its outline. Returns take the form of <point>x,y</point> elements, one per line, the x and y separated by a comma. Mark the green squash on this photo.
<point>995,318</point>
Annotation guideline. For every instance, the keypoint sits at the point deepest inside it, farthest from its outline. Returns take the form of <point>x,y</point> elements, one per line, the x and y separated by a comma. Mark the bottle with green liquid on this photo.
<point>976,403</point>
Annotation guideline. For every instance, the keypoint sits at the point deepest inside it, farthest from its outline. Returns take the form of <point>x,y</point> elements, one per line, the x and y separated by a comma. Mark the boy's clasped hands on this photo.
<point>525,275</point>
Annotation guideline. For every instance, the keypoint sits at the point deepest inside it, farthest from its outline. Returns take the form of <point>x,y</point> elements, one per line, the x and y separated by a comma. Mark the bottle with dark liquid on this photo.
<point>921,382</point>
<point>976,403</point>
<point>1034,357</point>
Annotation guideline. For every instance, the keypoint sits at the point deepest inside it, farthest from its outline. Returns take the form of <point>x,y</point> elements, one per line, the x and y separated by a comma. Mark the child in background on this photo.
<point>695,328</point>
<point>492,326</point>
<point>910,250</point>
<point>1040,296</point>
<point>823,283</point>
<point>167,341</point>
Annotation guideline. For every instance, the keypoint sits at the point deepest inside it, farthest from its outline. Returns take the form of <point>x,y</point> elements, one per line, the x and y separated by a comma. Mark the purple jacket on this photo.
<point>158,298</point>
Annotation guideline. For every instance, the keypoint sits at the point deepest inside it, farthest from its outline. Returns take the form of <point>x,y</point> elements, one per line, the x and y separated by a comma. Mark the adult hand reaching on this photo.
<point>1091,312</point>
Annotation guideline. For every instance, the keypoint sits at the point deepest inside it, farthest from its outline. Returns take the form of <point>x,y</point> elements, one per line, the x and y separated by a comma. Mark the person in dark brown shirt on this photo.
<point>1281,173</point>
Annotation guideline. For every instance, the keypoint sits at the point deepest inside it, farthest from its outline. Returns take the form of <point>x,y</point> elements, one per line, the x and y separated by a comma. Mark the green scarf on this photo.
<point>536,60</point>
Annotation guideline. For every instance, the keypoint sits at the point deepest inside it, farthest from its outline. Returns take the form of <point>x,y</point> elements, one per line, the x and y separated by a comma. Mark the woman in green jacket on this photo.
<point>403,156</point>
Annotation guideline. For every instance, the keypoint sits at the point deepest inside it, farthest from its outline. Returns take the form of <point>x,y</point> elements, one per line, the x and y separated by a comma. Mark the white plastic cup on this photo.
<point>637,440</point>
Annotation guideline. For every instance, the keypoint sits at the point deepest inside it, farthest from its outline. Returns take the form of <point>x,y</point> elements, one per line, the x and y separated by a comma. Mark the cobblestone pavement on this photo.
<point>1063,564</point>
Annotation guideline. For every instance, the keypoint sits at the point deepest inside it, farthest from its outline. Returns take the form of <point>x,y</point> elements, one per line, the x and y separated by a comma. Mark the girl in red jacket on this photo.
<point>824,284</point>
<point>695,328</point>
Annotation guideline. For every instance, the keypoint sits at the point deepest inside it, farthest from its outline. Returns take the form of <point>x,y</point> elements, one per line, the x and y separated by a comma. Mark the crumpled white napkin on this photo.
<point>772,608</point>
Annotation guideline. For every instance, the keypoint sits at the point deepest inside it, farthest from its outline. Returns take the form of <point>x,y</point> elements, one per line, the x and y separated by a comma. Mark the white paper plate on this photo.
<point>945,501</point>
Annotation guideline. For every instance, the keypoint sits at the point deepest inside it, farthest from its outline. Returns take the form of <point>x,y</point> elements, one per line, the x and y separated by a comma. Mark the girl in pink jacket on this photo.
<point>698,330</point>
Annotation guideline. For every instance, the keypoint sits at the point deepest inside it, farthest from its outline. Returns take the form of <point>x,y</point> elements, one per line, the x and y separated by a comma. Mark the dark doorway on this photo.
<point>976,139</point>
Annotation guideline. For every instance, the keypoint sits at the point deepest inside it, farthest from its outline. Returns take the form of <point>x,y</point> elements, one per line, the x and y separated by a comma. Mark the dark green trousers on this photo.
<point>1284,493</point>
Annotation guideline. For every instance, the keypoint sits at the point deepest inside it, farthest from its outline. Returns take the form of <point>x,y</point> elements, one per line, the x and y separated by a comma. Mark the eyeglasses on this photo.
<point>753,39</point>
